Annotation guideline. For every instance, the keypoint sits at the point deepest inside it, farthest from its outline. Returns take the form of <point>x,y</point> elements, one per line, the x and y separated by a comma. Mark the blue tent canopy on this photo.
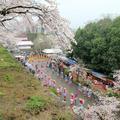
<point>71,62</point>
<point>98,75</point>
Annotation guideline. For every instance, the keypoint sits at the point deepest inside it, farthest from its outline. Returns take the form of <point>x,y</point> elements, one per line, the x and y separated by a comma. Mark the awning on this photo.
<point>99,75</point>
<point>71,62</point>
<point>52,51</point>
<point>19,56</point>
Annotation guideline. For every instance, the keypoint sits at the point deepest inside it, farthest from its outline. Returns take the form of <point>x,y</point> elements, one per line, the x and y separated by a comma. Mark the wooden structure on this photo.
<point>94,76</point>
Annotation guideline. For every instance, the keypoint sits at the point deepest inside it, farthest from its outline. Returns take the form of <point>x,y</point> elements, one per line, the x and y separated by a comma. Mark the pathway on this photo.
<point>71,88</point>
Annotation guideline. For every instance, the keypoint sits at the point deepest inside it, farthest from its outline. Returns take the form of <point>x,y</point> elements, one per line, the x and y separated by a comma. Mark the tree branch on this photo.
<point>27,7</point>
<point>6,11</point>
<point>99,116</point>
<point>7,19</point>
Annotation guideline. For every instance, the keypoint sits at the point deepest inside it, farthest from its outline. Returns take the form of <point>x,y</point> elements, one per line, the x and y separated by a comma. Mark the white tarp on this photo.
<point>63,58</point>
<point>19,56</point>
<point>52,51</point>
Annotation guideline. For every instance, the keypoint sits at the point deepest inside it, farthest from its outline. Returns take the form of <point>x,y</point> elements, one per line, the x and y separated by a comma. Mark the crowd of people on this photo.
<point>62,92</point>
<point>56,66</point>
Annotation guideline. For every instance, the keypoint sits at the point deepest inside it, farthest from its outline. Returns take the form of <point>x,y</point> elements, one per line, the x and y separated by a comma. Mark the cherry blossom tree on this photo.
<point>108,108</point>
<point>44,13</point>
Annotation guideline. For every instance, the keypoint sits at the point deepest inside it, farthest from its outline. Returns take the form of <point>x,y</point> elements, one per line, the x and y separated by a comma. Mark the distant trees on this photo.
<point>98,45</point>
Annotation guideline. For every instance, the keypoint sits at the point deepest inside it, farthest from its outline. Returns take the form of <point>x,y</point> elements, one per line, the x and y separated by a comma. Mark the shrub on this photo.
<point>36,103</point>
<point>75,82</point>
<point>53,90</point>
<point>110,94</point>
<point>8,78</point>
<point>114,95</point>
<point>66,71</point>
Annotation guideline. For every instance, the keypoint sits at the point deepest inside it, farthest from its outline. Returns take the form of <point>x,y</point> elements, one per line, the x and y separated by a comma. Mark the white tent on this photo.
<point>19,56</point>
<point>52,51</point>
<point>63,58</point>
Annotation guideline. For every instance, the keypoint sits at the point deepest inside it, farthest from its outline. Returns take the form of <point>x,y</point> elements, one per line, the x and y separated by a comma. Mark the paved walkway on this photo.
<point>71,88</point>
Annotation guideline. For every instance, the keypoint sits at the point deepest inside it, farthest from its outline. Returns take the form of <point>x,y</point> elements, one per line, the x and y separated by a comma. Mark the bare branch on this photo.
<point>7,19</point>
<point>6,11</point>
<point>27,7</point>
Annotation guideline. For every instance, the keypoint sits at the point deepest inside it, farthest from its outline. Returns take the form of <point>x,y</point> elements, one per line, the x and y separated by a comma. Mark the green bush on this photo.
<point>53,90</point>
<point>75,82</point>
<point>110,94</point>
<point>8,78</point>
<point>114,95</point>
<point>36,103</point>
<point>66,71</point>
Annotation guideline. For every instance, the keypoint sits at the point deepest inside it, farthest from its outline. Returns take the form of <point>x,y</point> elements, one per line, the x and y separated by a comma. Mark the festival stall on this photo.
<point>99,80</point>
<point>52,52</point>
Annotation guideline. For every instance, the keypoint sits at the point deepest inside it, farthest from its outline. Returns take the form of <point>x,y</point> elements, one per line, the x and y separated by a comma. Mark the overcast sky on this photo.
<point>80,12</point>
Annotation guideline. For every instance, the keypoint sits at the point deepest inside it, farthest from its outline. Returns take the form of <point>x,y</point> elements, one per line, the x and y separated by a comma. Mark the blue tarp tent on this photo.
<point>71,62</point>
<point>98,75</point>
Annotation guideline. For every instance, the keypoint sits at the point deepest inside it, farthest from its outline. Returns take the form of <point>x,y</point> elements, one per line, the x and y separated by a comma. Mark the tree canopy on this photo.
<point>98,45</point>
<point>31,15</point>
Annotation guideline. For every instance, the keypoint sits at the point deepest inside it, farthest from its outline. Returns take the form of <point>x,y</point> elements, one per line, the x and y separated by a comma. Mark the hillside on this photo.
<point>22,97</point>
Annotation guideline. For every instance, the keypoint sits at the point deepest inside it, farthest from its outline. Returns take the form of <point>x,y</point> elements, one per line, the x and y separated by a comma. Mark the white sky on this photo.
<point>80,12</point>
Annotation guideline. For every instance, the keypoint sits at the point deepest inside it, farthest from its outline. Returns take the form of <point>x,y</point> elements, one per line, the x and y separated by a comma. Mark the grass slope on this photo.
<point>22,97</point>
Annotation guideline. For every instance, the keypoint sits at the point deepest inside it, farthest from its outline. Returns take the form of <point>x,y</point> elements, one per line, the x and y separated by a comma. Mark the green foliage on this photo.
<point>111,94</point>
<point>36,103</point>
<point>41,41</point>
<point>53,90</point>
<point>31,36</point>
<point>66,71</point>
<point>1,118</point>
<point>6,61</point>
<point>75,82</point>
<point>8,78</point>
<point>98,45</point>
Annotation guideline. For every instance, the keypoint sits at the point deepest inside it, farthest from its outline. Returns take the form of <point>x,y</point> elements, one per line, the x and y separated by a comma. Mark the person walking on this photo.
<point>72,99</point>
<point>81,103</point>
<point>65,94</point>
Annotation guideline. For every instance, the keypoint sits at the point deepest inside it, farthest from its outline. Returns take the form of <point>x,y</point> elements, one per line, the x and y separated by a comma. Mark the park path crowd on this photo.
<point>70,98</point>
<point>72,95</point>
